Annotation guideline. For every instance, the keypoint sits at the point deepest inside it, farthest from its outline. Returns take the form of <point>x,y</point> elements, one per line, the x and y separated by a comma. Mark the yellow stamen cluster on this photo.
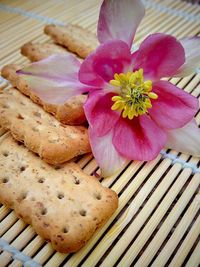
<point>135,94</point>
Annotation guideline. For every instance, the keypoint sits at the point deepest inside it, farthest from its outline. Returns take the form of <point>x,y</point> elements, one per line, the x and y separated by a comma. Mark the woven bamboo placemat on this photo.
<point>157,222</point>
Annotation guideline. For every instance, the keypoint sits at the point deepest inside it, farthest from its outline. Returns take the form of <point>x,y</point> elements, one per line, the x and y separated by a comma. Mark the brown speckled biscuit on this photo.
<point>37,51</point>
<point>74,37</point>
<point>39,131</point>
<point>71,112</point>
<point>64,206</point>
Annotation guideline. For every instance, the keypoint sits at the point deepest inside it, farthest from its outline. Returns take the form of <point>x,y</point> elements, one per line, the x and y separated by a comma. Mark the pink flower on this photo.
<point>132,113</point>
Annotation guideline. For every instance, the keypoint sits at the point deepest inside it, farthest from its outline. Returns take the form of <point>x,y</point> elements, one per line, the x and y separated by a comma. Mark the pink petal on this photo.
<point>108,159</point>
<point>138,139</point>
<point>160,55</point>
<point>186,139</point>
<point>99,114</point>
<point>54,79</point>
<point>108,59</point>
<point>119,20</point>
<point>192,56</point>
<point>55,67</point>
<point>174,108</point>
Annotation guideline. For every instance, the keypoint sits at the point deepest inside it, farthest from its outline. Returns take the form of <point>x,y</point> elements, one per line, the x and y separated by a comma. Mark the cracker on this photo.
<point>71,112</point>
<point>64,206</point>
<point>77,39</point>
<point>38,51</point>
<point>39,131</point>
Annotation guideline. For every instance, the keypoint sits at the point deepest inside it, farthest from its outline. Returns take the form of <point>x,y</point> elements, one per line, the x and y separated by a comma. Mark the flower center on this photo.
<point>135,94</point>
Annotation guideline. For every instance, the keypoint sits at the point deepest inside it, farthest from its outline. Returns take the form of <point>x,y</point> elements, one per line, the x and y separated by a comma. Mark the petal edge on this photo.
<point>192,56</point>
<point>108,159</point>
<point>186,139</point>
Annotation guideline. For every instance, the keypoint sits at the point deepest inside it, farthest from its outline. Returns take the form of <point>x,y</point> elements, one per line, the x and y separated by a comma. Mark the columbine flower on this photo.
<point>132,113</point>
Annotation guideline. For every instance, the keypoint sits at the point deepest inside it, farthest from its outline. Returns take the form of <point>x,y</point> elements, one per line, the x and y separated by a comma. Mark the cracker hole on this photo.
<point>22,168</point>
<point>6,106</point>
<point>5,180</point>
<point>57,167</point>
<point>82,213</point>
<point>60,195</point>
<point>98,196</point>
<point>41,180</point>
<point>5,153</point>
<point>23,195</point>
<point>76,180</point>
<point>44,211</point>
<point>35,129</point>
<point>65,230</point>
<point>37,114</point>
<point>20,117</point>
<point>19,143</point>
<point>42,166</point>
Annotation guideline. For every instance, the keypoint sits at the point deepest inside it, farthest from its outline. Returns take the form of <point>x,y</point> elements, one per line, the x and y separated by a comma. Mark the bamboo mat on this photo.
<point>157,222</point>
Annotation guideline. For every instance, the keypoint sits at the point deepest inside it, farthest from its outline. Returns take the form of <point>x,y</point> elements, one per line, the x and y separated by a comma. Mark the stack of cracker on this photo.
<point>62,203</point>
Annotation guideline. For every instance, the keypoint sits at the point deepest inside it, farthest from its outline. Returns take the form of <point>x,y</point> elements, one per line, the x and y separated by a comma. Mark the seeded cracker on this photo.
<point>64,206</point>
<point>75,38</point>
<point>37,51</point>
<point>39,131</point>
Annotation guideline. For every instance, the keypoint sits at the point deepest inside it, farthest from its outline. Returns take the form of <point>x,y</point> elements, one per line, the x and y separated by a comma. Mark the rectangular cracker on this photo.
<point>39,131</point>
<point>64,206</point>
<point>71,112</point>
<point>37,51</point>
<point>75,38</point>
